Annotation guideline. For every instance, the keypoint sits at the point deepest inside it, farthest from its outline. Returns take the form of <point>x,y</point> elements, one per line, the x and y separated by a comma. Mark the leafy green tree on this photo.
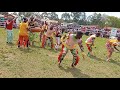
<point>66,17</point>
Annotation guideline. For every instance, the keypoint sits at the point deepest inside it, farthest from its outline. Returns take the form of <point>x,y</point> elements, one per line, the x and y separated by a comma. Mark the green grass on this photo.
<point>42,63</point>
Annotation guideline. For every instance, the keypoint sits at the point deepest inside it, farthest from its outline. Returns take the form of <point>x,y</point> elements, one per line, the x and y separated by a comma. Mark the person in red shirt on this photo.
<point>9,27</point>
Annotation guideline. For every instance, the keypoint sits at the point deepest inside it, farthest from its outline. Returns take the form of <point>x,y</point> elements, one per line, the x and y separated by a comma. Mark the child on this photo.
<point>23,33</point>
<point>69,42</point>
<point>89,43</point>
<point>48,35</point>
<point>9,27</point>
<point>111,45</point>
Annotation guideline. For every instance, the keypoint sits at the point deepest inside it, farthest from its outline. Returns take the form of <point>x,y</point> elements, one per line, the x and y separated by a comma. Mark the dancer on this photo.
<point>48,35</point>
<point>111,45</point>
<point>32,35</point>
<point>69,42</point>
<point>89,43</point>
<point>23,33</point>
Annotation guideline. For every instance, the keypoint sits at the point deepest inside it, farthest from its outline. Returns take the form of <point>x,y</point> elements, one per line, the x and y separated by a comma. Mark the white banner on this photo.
<point>113,32</point>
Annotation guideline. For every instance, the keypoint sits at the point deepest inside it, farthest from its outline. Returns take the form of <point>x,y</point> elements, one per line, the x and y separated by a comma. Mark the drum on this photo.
<point>36,29</point>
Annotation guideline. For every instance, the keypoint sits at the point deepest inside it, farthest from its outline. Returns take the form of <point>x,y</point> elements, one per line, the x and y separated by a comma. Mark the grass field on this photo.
<point>42,63</point>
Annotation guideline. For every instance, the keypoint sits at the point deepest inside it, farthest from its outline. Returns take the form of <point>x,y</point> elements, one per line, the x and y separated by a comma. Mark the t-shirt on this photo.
<point>23,29</point>
<point>9,24</point>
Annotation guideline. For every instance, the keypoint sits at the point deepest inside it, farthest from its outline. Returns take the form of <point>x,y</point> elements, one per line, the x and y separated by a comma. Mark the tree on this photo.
<point>79,17</point>
<point>60,21</point>
<point>113,21</point>
<point>3,13</point>
<point>21,13</point>
<point>26,14</point>
<point>53,16</point>
<point>44,15</point>
<point>88,20</point>
<point>66,17</point>
<point>38,15</point>
<point>15,13</point>
<point>83,19</point>
<point>103,20</point>
<point>97,19</point>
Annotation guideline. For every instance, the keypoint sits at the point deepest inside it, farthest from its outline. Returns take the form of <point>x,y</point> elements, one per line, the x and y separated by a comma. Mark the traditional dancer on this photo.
<point>23,33</point>
<point>89,43</point>
<point>111,45</point>
<point>48,35</point>
<point>32,35</point>
<point>69,42</point>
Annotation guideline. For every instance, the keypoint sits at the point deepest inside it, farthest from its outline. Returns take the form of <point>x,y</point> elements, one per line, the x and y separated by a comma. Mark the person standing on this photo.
<point>23,33</point>
<point>69,42</point>
<point>9,28</point>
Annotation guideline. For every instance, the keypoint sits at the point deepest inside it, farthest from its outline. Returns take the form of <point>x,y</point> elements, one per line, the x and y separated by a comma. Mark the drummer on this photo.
<point>32,24</point>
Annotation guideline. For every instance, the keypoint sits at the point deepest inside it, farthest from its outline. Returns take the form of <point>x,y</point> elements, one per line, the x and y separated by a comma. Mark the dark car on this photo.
<point>106,34</point>
<point>87,32</point>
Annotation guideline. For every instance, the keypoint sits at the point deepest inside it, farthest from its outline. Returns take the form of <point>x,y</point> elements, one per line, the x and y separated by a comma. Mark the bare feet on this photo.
<point>73,65</point>
<point>59,64</point>
<point>108,59</point>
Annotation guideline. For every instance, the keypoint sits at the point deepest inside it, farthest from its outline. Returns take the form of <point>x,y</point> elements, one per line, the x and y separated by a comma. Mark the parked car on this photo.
<point>106,34</point>
<point>87,32</point>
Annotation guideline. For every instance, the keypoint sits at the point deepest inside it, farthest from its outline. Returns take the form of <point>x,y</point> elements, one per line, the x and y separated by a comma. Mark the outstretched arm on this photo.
<point>11,21</point>
<point>92,42</point>
<point>116,48</point>
<point>81,47</point>
<point>15,18</point>
<point>82,50</point>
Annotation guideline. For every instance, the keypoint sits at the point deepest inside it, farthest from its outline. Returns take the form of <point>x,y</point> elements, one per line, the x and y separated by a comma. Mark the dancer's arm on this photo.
<point>81,46</point>
<point>116,48</point>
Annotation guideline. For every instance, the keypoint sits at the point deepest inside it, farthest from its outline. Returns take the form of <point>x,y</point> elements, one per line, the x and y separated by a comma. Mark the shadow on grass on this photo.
<point>117,52</point>
<point>34,46</point>
<point>114,62</point>
<point>27,50</point>
<point>96,58</point>
<point>75,72</point>
<point>111,61</point>
<point>10,44</point>
<point>52,50</point>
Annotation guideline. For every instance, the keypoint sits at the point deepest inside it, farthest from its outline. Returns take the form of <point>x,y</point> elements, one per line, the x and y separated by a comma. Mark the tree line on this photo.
<point>79,17</point>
